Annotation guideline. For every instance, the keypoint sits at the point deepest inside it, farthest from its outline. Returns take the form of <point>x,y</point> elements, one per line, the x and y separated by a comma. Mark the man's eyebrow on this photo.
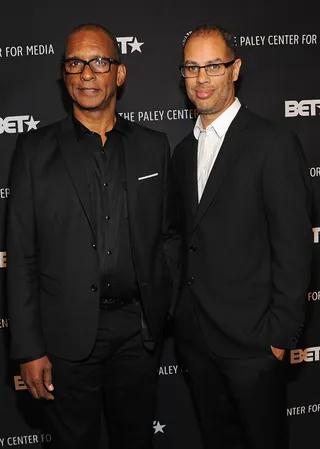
<point>92,57</point>
<point>214,61</point>
<point>211,61</point>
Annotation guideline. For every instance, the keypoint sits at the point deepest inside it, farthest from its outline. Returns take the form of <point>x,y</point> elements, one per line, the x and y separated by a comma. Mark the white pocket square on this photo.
<point>148,176</point>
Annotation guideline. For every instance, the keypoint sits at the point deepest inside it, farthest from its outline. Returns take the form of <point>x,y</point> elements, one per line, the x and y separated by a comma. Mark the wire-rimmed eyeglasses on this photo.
<point>217,69</point>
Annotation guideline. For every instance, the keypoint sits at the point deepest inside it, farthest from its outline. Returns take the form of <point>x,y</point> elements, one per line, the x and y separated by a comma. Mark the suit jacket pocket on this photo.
<point>49,285</point>
<point>148,177</point>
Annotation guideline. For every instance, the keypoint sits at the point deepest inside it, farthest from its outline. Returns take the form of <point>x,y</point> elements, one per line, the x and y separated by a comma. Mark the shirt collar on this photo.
<point>81,130</point>
<point>221,124</point>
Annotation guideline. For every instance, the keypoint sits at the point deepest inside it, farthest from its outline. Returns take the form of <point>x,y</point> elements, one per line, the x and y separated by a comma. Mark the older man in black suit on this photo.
<point>92,254</point>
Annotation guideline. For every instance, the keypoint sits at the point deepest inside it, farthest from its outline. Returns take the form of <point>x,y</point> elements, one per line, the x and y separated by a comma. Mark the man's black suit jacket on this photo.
<point>248,244</point>
<point>53,270</point>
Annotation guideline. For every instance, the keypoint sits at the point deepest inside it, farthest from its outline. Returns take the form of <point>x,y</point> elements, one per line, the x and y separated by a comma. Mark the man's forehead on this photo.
<point>87,38</point>
<point>208,43</point>
<point>208,39</point>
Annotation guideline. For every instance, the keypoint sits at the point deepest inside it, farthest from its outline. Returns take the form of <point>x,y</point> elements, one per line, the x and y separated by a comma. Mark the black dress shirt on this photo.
<point>106,176</point>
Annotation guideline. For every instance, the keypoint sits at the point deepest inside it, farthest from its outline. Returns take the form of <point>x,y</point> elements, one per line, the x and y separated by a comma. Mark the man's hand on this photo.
<point>279,353</point>
<point>37,376</point>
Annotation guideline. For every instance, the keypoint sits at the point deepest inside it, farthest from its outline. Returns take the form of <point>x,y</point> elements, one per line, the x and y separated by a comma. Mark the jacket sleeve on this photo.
<point>170,227</point>
<point>22,267</point>
<point>287,194</point>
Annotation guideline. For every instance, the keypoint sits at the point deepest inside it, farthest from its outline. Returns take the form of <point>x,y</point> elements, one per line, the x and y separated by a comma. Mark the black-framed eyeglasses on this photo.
<point>217,69</point>
<point>75,66</point>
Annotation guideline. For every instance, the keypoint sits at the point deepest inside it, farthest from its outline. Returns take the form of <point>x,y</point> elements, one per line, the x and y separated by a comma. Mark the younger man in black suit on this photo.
<point>245,201</point>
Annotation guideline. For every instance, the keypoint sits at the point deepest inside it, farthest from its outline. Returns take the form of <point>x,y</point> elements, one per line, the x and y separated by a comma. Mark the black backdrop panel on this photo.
<point>279,45</point>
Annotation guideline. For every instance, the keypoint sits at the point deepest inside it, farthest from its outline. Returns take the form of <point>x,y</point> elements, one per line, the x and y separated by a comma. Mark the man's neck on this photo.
<point>97,121</point>
<point>207,119</point>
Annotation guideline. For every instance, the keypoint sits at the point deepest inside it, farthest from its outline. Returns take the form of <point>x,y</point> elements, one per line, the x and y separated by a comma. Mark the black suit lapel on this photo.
<point>131,148</point>
<point>190,184</point>
<point>75,162</point>
<point>229,151</point>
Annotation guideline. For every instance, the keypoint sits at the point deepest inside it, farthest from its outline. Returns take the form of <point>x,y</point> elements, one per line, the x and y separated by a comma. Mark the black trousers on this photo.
<point>119,375</point>
<point>241,403</point>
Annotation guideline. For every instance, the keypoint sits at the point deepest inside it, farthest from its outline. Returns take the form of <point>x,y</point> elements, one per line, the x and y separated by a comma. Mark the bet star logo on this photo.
<point>15,124</point>
<point>32,124</point>
<point>133,42</point>
<point>158,427</point>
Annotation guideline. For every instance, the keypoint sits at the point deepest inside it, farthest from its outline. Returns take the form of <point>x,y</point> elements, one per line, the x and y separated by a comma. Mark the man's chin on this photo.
<point>206,111</point>
<point>88,106</point>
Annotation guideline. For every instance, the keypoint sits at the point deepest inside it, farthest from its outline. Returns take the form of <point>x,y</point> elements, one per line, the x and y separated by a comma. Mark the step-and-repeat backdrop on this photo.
<point>280,47</point>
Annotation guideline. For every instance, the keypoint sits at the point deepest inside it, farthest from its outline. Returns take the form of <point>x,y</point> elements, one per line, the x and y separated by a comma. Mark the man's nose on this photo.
<point>87,73</point>
<point>202,76</point>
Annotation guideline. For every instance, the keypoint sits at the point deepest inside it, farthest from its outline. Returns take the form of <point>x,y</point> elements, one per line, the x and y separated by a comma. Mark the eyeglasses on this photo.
<point>74,66</point>
<point>192,71</point>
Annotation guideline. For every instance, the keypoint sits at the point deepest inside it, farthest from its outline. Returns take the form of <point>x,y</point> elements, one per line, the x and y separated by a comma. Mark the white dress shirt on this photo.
<point>210,141</point>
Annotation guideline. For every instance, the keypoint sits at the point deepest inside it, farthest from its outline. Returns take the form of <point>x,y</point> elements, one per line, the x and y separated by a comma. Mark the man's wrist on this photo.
<point>30,359</point>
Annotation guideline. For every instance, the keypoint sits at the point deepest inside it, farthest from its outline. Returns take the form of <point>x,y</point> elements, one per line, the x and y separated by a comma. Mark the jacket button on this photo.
<point>94,245</point>
<point>94,288</point>
<point>190,280</point>
<point>193,247</point>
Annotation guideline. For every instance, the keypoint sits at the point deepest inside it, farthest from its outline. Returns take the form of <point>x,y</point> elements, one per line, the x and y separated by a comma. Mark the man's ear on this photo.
<point>121,74</point>
<point>236,69</point>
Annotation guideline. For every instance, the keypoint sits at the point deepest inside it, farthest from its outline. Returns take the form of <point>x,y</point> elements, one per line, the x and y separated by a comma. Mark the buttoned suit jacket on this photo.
<point>53,270</point>
<point>247,246</point>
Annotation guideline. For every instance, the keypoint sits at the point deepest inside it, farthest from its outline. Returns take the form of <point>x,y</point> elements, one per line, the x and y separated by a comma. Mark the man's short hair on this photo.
<point>206,29</point>
<point>96,27</point>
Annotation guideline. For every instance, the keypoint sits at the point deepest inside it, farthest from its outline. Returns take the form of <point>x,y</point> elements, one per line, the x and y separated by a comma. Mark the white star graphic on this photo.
<point>135,45</point>
<point>158,427</point>
<point>32,124</point>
